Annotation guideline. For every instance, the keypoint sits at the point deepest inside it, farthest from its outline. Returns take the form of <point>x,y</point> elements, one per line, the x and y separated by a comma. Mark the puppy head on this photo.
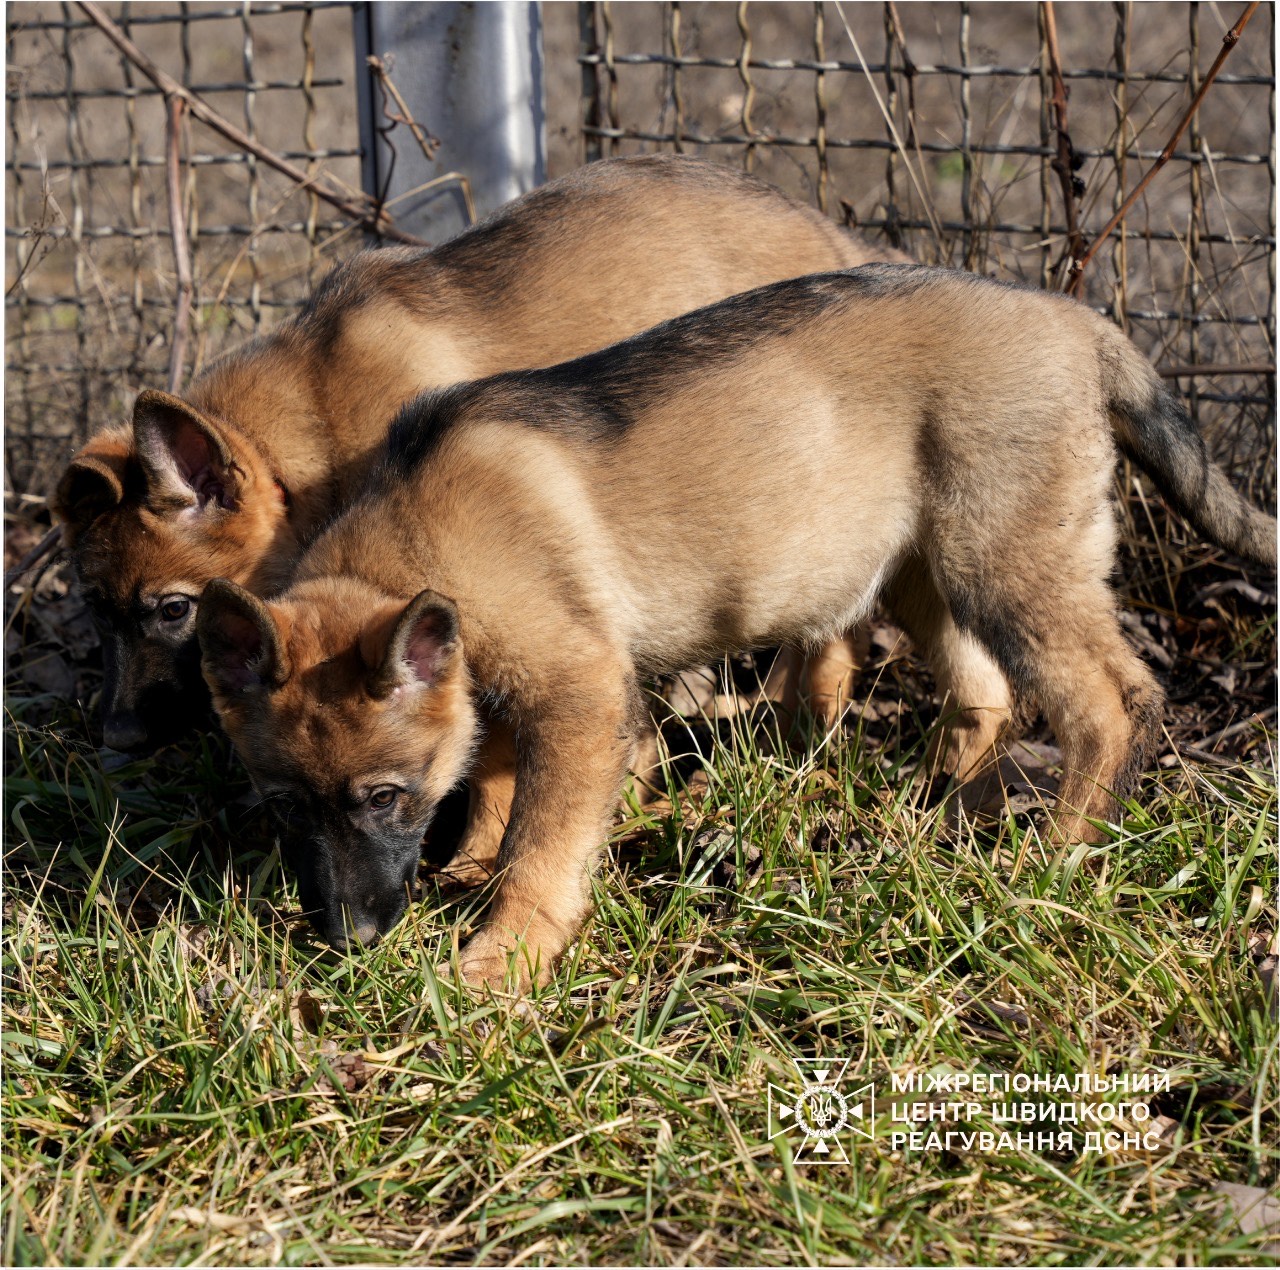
<point>353,715</point>
<point>152,513</point>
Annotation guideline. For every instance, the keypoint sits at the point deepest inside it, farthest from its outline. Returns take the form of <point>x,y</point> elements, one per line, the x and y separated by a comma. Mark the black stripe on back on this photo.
<point>598,396</point>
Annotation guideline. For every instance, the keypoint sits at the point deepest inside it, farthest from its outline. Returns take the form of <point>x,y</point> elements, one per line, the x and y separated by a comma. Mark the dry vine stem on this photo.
<point>48,544</point>
<point>1214,368</point>
<point>178,232</point>
<point>428,143</point>
<point>1064,162</point>
<point>363,211</point>
<point>1075,279</point>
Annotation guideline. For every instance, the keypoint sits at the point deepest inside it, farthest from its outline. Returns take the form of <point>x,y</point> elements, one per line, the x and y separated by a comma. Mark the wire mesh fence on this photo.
<point>934,126</point>
<point>90,259</point>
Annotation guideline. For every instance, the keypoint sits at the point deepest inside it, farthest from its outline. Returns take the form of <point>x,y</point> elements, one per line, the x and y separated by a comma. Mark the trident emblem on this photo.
<point>821,1111</point>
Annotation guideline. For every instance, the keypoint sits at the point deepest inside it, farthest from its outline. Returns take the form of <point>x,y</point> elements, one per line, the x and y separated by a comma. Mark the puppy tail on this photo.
<point>1153,429</point>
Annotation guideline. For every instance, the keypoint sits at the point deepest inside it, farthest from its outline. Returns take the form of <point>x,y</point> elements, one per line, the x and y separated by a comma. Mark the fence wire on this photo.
<point>931,126</point>
<point>89,259</point>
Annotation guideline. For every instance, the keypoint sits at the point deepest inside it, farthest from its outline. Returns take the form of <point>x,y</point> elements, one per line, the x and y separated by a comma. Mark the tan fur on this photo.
<point>939,440</point>
<point>584,261</point>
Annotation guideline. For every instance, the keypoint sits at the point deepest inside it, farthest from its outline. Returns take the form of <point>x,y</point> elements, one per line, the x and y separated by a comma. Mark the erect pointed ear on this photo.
<point>240,644</point>
<point>185,458</point>
<point>93,482</point>
<point>423,644</point>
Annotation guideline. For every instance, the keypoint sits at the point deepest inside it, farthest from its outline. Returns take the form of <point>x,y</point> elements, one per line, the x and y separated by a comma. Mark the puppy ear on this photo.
<point>240,645</point>
<point>422,647</point>
<point>93,482</point>
<point>187,461</point>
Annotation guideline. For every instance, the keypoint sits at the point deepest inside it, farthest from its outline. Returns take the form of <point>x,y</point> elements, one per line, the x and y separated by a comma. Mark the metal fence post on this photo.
<point>471,76</point>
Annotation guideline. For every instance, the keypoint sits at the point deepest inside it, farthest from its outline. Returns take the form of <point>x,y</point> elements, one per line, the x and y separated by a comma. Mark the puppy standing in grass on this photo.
<point>941,440</point>
<point>271,440</point>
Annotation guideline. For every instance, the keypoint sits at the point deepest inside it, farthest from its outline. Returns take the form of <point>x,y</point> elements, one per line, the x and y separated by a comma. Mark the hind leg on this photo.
<point>1060,642</point>
<point>828,678</point>
<point>823,681</point>
<point>782,683</point>
<point>1105,708</point>
<point>977,702</point>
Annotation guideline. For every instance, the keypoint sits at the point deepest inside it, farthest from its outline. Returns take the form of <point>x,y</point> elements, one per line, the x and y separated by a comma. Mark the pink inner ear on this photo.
<point>241,646</point>
<point>197,462</point>
<point>425,649</point>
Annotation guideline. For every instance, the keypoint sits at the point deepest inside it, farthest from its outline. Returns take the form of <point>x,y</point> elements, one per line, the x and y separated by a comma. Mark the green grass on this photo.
<point>188,1077</point>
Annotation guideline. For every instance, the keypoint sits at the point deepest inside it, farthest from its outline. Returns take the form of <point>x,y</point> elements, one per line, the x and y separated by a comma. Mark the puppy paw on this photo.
<point>469,871</point>
<point>504,964</point>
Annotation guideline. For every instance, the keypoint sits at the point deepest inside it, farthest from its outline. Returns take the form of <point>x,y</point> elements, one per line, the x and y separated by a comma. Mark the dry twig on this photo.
<point>361,210</point>
<point>46,546</point>
<point>1075,280</point>
<point>428,143</point>
<point>1066,163</point>
<point>181,250</point>
<point>925,200</point>
<point>1215,368</point>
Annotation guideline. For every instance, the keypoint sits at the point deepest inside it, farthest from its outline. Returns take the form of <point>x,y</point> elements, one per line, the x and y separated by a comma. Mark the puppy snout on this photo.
<point>353,935</point>
<point>125,733</point>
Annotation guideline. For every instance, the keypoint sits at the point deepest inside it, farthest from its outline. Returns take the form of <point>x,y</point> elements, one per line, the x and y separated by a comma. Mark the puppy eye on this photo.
<point>175,608</point>
<point>382,798</point>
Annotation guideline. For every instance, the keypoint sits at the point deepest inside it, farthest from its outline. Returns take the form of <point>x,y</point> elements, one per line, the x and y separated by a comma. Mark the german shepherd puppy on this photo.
<point>940,440</point>
<point>271,440</point>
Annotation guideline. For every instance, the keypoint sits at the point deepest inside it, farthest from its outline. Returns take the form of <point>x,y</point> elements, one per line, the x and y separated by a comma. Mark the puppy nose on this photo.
<point>354,935</point>
<point>124,732</point>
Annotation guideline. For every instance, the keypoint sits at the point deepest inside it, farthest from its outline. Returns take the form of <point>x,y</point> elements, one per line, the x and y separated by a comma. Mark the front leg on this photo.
<point>572,755</point>
<point>491,787</point>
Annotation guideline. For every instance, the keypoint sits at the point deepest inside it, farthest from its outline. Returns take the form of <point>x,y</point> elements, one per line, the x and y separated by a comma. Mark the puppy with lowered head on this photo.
<point>937,439</point>
<point>234,478</point>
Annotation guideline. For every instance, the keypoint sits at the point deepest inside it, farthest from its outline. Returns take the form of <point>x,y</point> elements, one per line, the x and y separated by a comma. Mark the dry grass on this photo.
<point>188,1078</point>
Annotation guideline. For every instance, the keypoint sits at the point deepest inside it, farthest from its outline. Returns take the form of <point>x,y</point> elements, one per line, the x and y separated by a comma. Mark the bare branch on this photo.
<point>1244,368</point>
<point>1075,281</point>
<point>44,547</point>
<point>361,210</point>
<point>181,250</point>
<point>428,142</point>
<point>1065,163</point>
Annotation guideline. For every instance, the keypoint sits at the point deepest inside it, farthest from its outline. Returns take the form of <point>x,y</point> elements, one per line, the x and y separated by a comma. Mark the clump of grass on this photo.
<point>188,1077</point>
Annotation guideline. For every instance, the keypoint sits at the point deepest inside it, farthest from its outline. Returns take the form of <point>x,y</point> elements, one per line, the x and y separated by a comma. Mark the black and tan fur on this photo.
<point>792,455</point>
<point>232,480</point>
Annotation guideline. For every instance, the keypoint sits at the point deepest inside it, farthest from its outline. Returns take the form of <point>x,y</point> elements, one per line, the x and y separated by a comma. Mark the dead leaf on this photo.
<point>1022,781</point>
<point>217,988</point>
<point>226,1222</point>
<point>345,1071</point>
<point>726,875</point>
<point>692,693</point>
<point>192,938</point>
<point>50,673</point>
<point>1235,586</point>
<point>310,1011</point>
<point>1266,956</point>
<point>1137,630</point>
<point>1256,1210</point>
<point>20,538</point>
<point>1009,1013</point>
<point>890,639</point>
<point>1227,679</point>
